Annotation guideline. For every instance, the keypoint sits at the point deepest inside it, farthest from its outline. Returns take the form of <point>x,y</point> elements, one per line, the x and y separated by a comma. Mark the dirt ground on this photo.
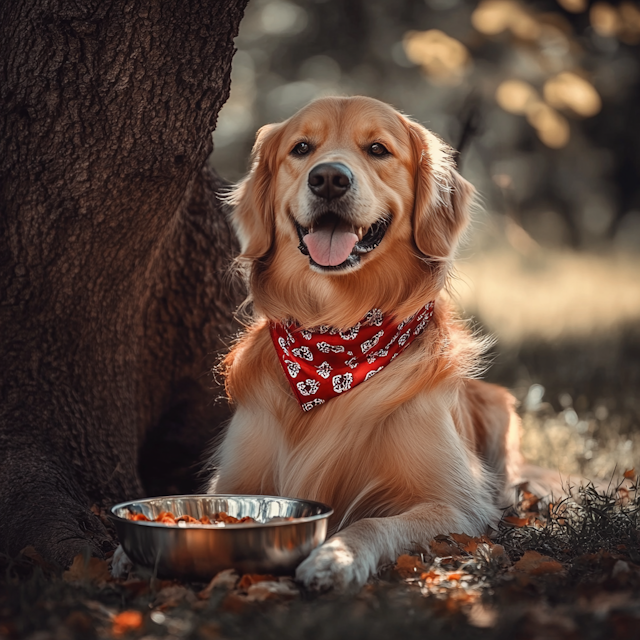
<point>566,570</point>
<point>560,569</point>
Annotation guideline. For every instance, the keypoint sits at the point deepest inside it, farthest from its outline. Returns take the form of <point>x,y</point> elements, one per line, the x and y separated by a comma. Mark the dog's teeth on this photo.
<point>360,232</point>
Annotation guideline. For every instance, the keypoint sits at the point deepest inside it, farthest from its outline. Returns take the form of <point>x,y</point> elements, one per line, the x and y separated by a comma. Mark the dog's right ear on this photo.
<point>253,197</point>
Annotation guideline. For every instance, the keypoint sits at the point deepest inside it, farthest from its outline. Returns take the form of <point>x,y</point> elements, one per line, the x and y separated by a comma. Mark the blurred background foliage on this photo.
<point>547,98</point>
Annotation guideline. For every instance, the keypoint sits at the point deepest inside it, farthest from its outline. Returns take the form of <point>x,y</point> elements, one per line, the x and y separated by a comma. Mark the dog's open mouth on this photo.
<point>333,244</point>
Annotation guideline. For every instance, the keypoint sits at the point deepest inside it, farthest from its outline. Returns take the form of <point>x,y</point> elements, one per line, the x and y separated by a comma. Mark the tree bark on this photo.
<point>113,251</point>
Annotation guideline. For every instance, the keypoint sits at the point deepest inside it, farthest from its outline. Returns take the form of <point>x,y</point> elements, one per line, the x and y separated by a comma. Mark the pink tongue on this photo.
<point>330,247</point>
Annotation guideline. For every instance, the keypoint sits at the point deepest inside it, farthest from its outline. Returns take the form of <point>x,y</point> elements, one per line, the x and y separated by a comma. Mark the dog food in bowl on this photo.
<point>166,517</point>
<point>256,534</point>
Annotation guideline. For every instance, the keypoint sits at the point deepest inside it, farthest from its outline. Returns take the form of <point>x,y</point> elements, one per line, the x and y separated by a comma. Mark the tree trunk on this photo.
<point>113,250</point>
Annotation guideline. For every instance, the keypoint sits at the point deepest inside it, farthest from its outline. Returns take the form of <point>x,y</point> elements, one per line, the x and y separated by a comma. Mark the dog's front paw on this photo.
<point>334,565</point>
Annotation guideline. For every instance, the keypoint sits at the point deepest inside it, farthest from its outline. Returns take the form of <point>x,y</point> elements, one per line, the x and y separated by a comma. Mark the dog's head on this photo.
<point>348,200</point>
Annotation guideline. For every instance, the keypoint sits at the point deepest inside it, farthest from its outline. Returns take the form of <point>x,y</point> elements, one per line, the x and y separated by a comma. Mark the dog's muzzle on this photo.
<point>332,249</point>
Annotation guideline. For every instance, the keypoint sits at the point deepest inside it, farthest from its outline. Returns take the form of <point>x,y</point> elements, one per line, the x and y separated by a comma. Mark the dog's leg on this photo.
<point>349,558</point>
<point>246,460</point>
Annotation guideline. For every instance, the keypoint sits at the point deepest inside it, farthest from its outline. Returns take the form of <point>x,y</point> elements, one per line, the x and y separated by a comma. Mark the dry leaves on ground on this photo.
<point>537,552</point>
<point>126,622</point>
<point>536,564</point>
<point>85,569</point>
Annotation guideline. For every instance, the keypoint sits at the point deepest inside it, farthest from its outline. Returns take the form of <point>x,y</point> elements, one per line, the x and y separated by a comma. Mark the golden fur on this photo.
<point>420,449</point>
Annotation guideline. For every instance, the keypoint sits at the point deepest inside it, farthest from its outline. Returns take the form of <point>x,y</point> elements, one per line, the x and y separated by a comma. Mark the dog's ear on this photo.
<point>443,198</point>
<point>253,197</point>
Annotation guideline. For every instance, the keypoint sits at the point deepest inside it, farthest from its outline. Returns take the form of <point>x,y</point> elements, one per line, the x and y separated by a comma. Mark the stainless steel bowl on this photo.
<point>198,552</point>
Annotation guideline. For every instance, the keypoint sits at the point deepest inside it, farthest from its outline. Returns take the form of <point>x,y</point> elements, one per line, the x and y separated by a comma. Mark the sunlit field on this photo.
<point>567,330</point>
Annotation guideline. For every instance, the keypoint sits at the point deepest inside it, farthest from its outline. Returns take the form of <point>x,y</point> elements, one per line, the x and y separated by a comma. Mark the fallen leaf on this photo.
<point>126,622</point>
<point>469,544</point>
<point>87,570</point>
<point>536,564</point>
<point>443,547</point>
<point>270,590</point>
<point>36,558</point>
<point>409,566</point>
<point>630,474</point>
<point>234,603</point>
<point>622,496</point>
<point>499,554</point>
<point>472,547</point>
<point>226,579</point>
<point>529,501</point>
<point>172,596</point>
<point>516,521</point>
<point>461,538</point>
<point>253,578</point>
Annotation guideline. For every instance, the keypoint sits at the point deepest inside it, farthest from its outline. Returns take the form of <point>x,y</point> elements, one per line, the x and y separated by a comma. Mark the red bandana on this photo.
<point>322,363</point>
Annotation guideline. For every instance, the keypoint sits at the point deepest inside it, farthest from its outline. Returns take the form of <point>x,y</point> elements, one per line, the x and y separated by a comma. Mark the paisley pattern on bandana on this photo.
<point>347,357</point>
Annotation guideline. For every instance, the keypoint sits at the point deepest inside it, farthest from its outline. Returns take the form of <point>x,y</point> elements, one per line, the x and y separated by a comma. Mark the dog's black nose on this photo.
<point>330,180</point>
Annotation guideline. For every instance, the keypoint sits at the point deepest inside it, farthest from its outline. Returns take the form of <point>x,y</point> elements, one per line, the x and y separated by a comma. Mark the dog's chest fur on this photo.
<point>348,453</point>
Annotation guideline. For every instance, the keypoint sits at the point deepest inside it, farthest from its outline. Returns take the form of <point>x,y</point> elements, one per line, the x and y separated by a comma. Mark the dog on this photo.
<point>356,384</point>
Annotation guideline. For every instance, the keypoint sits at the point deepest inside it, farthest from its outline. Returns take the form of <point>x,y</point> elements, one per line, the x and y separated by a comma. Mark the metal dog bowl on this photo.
<point>200,551</point>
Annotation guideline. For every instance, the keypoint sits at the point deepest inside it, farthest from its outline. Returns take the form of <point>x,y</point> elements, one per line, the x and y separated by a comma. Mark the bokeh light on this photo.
<point>554,83</point>
<point>492,17</point>
<point>443,59</point>
<point>575,6</point>
<point>604,19</point>
<point>552,128</point>
<point>570,91</point>
<point>516,96</point>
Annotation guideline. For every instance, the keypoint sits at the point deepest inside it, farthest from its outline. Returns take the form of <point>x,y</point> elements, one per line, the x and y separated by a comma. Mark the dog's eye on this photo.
<point>301,149</point>
<point>377,149</point>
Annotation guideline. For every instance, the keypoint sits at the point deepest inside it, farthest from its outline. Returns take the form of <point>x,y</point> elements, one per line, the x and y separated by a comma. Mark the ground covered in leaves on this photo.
<point>569,569</point>
<point>564,570</point>
<point>559,570</point>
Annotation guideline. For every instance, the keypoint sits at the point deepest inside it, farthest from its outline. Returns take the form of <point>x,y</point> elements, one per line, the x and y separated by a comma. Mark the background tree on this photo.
<point>112,254</point>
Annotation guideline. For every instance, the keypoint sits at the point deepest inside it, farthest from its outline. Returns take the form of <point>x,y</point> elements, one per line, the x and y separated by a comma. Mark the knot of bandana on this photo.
<point>323,362</point>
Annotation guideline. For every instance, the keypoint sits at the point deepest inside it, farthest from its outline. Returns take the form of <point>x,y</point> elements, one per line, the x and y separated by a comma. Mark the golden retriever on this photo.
<point>351,207</point>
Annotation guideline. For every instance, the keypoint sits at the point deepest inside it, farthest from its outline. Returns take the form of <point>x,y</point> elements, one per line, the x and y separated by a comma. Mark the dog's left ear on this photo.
<point>443,198</point>
<point>253,198</point>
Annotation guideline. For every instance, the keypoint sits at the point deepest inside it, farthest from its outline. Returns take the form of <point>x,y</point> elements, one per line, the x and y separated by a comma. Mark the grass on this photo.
<point>568,330</point>
<point>548,295</point>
